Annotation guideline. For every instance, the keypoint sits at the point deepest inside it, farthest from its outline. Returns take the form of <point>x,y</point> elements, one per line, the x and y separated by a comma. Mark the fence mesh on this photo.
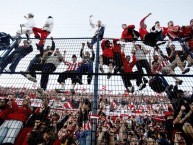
<point>133,108</point>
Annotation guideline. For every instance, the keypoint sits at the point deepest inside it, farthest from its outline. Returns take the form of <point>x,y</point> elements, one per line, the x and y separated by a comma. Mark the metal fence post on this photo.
<point>95,97</point>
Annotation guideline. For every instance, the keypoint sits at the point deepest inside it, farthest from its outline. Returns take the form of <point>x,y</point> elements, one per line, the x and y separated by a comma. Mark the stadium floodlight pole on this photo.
<point>95,97</point>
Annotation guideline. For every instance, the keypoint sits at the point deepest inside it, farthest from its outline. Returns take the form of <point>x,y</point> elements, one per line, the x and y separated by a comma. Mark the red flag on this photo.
<point>68,105</point>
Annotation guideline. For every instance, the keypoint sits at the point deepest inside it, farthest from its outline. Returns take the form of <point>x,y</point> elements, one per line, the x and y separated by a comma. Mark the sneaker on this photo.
<point>142,86</point>
<point>102,70</point>
<point>109,75</point>
<point>130,89</point>
<point>145,81</point>
<point>38,47</point>
<point>27,36</point>
<point>179,82</point>
<point>186,70</point>
<point>31,78</point>
<point>116,70</point>
<point>78,80</point>
<point>169,88</point>
<point>89,81</point>
<point>88,44</point>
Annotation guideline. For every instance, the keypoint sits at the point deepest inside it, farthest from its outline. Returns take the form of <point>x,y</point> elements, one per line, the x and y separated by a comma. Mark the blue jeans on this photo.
<point>93,40</point>
<point>36,59</point>
<point>165,83</point>
<point>14,59</point>
<point>4,47</point>
<point>187,49</point>
<point>46,69</point>
<point>87,67</point>
<point>85,137</point>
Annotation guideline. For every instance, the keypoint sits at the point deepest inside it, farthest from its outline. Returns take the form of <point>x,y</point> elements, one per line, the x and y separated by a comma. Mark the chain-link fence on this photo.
<point>70,92</point>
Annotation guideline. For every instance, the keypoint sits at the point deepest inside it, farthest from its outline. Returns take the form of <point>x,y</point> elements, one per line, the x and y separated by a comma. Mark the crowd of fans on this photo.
<point>168,120</point>
<point>120,119</point>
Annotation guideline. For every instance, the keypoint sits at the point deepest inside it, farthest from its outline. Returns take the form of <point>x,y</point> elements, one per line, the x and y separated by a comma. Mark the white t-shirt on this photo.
<point>30,24</point>
<point>95,27</point>
<point>48,26</point>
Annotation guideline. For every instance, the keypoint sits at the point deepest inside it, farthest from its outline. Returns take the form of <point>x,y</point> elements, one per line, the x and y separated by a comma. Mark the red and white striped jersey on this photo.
<point>164,63</point>
<point>86,125</point>
<point>72,66</point>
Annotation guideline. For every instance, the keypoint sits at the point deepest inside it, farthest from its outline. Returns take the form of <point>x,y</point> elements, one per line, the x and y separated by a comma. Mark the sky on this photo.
<point>71,18</point>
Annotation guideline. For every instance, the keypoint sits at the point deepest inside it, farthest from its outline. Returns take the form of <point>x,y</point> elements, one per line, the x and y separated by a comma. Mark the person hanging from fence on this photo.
<point>15,57</point>
<point>173,31</point>
<point>176,58</point>
<point>107,57</point>
<point>157,83</point>
<point>5,40</point>
<point>99,31</point>
<point>186,38</point>
<point>87,63</point>
<point>70,73</point>
<point>129,33</point>
<point>148,38</point>
<point>42,33</point>
<point>37,58</point>
<point>178,99</point>
<point>130,75</point>
<point>28,26</point>
<point>158,30</point>
<point>117,54</point>
<point>161,65</point>
<point>141,60</point>
<point>49,63</point>
<point>186,55</point>
<point>186,32</point>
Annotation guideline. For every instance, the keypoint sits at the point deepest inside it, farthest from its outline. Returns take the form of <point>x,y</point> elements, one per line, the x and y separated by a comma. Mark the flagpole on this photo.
<point>95,98</point>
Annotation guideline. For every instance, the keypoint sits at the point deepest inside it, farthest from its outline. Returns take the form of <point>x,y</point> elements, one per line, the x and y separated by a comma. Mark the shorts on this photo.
<point>107,61</point>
